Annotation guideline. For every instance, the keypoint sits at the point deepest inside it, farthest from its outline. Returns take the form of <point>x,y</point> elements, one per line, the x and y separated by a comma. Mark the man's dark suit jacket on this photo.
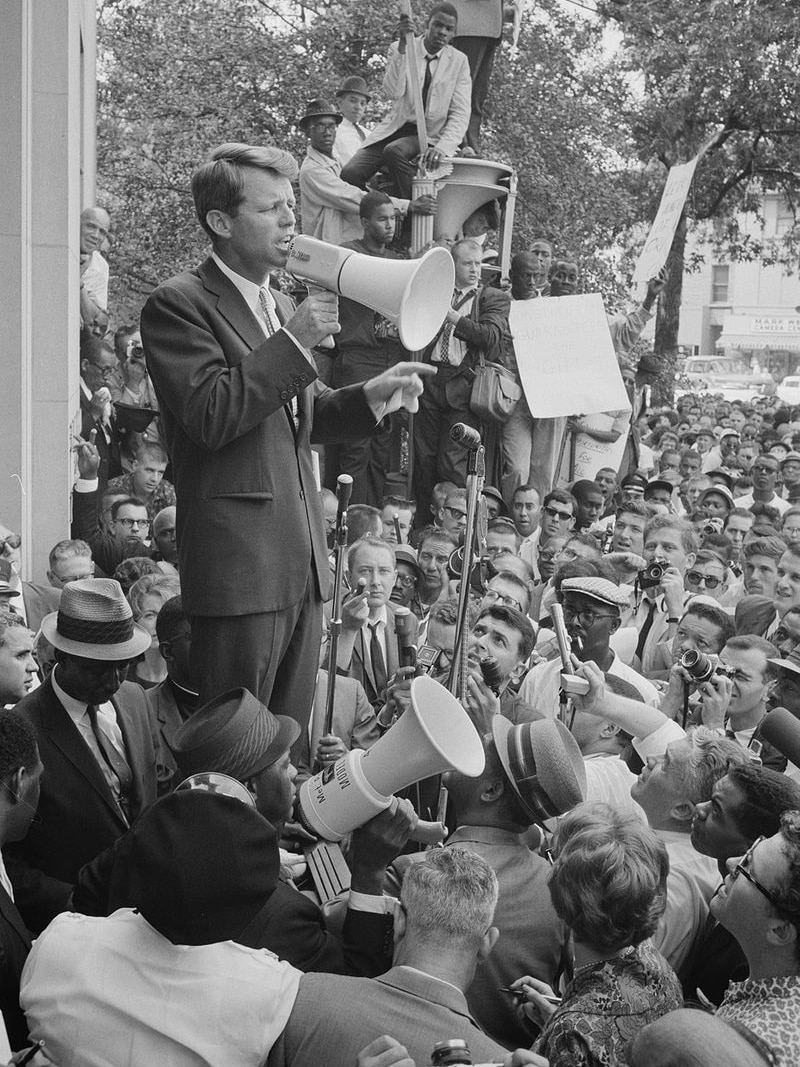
<point>164,707</point>
<point>249,522</point>
<point>15,944</point>
<point>361,664</point>
<point>77,815</point>
<point>484,330</point>
<point>110,464</point>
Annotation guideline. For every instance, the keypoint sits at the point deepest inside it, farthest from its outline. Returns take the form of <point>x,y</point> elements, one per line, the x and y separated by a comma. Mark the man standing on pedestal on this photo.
<point>239,400</point>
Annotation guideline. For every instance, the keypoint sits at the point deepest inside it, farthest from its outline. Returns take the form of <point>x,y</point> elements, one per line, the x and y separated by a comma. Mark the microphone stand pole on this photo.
<point>476,471</point>
<point>344,488</point>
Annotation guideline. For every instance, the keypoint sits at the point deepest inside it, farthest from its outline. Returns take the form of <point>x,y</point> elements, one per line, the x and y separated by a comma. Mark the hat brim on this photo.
<point>288,732</point>
<point>501,728</point>
<point>304,121</point>
<point>786,664</point>
<point>130,649</point>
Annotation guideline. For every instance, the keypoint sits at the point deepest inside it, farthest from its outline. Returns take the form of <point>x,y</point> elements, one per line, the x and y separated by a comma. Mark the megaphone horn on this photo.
<point>414,294</point>
<point>434,734</point>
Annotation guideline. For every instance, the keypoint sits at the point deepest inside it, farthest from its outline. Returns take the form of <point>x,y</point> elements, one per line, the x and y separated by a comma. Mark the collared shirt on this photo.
<point>659,629</point>
<point>381,619</point>
<point>5,881</point>
<point>106,717</point>
<point>456,349</point>
<point>691,882</point>
<point>350,136</point>
<point>529,551</point>
<point>541,686</point>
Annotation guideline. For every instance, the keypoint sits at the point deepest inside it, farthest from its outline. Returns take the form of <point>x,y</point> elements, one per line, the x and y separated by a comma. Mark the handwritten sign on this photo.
<point>565,356</point>
<point>590,455</point>
<point>659,241</point>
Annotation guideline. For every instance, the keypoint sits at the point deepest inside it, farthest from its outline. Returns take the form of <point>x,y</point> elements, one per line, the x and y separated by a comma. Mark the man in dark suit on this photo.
<point>97,743</point>
<point>20,772</point>
<point>442,931</point>
<point>240,401</point>
<point>238,736</point>
<point>367,649</point>
<point>476,324</point>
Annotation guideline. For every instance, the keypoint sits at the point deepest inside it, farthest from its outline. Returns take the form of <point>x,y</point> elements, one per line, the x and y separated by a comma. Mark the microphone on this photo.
<point>782,729</point>
<point>464,435</point>
<point>344,487</point>
<point>406,653</point>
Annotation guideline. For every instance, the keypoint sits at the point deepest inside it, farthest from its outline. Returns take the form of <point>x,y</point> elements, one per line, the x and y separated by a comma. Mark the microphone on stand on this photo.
<point>466,436</point>
<point>782,729</point>
<point>344,488</point>
<point>406,653</point>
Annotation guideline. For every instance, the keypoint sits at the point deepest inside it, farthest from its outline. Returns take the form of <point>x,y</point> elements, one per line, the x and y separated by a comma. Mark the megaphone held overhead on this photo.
<point>435,734</point>
<point>414,294</point>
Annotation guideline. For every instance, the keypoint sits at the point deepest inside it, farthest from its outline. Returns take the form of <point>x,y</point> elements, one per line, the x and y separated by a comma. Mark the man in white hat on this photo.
<point>96,740</point>
<point>592,613</point>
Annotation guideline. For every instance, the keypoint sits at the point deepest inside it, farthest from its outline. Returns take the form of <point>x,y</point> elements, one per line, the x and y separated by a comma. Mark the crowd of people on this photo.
<point>621,882</point>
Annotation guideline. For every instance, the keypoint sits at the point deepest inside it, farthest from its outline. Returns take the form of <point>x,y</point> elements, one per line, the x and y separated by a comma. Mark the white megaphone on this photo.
<point>414,294</point>
<point>434,734</point>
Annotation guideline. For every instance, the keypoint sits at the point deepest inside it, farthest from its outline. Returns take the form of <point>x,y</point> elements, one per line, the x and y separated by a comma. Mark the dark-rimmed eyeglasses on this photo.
<point>743,868</point>
<point>586,619</point>
<point>492,596</point>
<point>406,580</point>
<point>141,524</point>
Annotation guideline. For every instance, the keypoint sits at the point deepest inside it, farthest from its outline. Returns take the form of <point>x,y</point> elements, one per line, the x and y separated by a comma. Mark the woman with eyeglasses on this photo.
<point>609,885</point>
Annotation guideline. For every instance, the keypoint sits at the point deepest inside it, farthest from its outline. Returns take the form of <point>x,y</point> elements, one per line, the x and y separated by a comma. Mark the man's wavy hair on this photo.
<point>218,184</point>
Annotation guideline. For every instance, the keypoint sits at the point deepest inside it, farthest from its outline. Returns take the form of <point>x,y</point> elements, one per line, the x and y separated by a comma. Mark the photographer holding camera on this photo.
<point>670,548</point>
<point>734,697</point>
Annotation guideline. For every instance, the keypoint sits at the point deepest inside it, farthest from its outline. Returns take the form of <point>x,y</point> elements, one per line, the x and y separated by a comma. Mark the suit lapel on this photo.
<point>231,304</point>
<point>65,735</point>
<point>128,721</point>
<point>9,912</point>
<point>361,652</point>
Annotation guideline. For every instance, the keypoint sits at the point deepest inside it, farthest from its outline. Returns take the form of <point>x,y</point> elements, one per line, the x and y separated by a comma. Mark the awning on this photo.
<point>781,333</point>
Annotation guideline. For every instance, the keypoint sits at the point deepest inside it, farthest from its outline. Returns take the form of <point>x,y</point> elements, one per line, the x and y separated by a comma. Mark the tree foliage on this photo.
<point>723,74</point>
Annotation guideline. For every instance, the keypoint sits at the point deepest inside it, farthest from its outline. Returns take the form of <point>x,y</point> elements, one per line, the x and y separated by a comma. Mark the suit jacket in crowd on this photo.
<point>15,944</point>
<point>77,815</point>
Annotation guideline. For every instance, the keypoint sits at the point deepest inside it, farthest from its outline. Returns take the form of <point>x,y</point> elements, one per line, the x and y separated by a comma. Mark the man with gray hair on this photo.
<point>70,561</point>
<point>239,398</point>
<point>443,929</point>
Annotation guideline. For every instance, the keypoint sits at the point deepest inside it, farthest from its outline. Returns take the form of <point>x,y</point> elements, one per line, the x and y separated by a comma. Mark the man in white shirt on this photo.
<point>352,98</point>
<point>764,472</point>
<point>95,224</point>
<point>446,89</point>
<point>592,611</point>
<point>202,868</point>
<point>526,507</point>
<point>329,205</point>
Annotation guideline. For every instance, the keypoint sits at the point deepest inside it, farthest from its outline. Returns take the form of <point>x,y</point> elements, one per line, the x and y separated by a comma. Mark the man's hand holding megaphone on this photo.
<point>315,319</point>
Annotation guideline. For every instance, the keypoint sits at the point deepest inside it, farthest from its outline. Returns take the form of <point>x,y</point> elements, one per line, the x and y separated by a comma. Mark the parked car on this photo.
<point>789,390</point>
<point>730,377</point>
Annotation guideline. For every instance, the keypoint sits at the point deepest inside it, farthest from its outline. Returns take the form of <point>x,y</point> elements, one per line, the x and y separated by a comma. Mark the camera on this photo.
<point>607,541</point>
<point>651,575</point>
<point>428,658</point>
<point>701,667</point>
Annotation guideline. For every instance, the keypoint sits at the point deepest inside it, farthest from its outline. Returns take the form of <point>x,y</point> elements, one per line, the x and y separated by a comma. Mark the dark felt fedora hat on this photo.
<point>319,109</point>
<point>354,84</point>
<point>234,734</point>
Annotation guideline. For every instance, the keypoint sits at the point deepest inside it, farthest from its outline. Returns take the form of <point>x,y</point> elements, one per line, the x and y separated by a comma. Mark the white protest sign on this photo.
<point>590,455</point>
<point>565,356</point>
<point>659,241</point>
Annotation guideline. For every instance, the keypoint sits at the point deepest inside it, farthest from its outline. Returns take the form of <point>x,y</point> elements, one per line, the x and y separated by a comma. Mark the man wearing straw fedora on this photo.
<point>96,740</point>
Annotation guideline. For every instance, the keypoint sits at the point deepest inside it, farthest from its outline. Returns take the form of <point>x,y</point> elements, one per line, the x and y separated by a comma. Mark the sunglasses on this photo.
<point>710,582</point>
<point>554,513</point>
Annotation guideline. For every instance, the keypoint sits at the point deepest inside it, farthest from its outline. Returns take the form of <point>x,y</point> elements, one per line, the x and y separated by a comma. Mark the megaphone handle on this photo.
<point>326,342</point>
